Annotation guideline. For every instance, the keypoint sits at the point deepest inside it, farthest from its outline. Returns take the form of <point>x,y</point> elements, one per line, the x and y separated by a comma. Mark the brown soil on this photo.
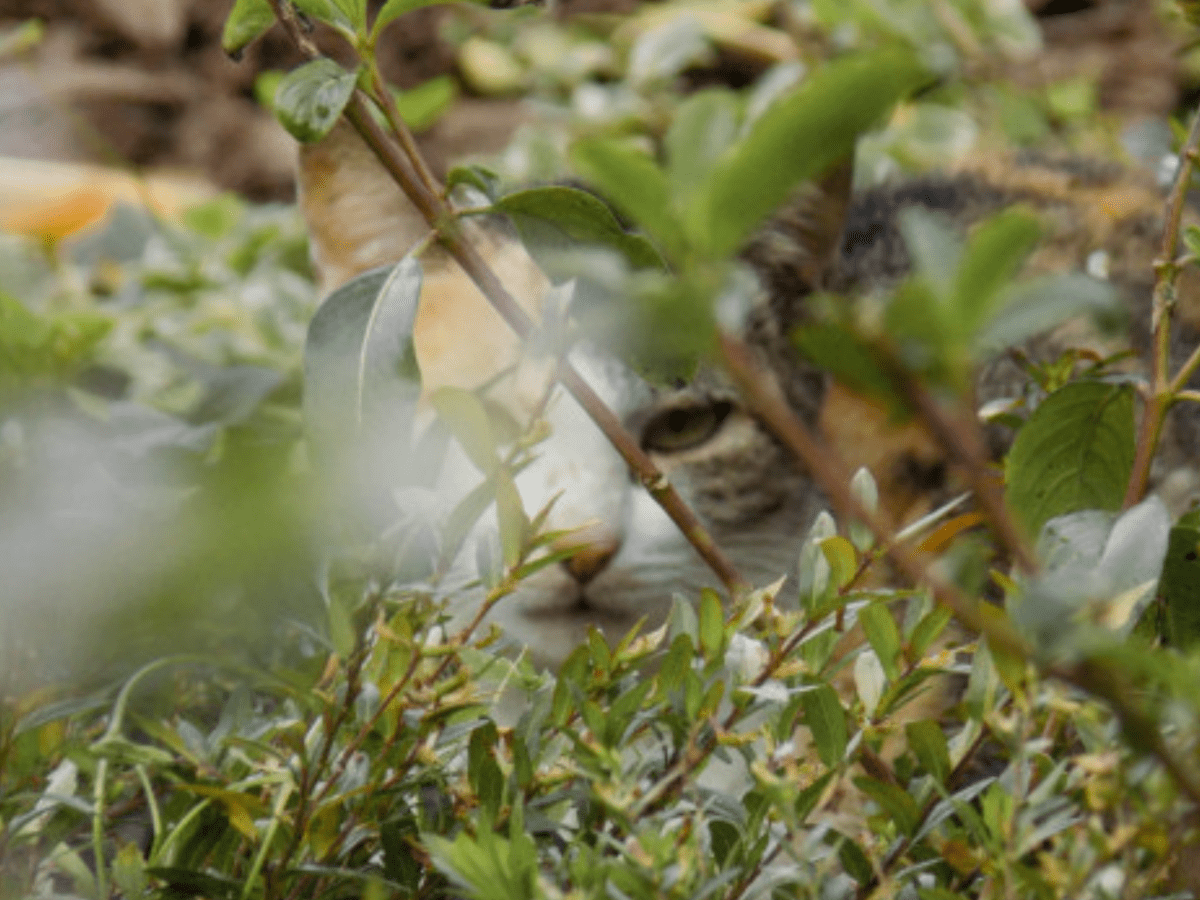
<point>144,83</point>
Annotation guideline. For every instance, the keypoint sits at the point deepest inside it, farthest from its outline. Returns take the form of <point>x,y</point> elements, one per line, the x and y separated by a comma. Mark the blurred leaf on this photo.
<point>884,636</point>
<point>217,217</point>
<point>246,22</point>
<point>233,393</point>
<point>488,865</point>
<point>1100,573</point>
<point>552,220</point>
<point>704,126</point>
<point>424,104</point>
<point>1035,306</point>
<point>129,871</point>
<point>514,524</point>
<point>36,349</point>
<point>848,358</point>
<point>801,136</point>
<point>712,625</point>
<point>1075,452</point>
<point>935,247</point>
<point>825,718</point>
<point>310,99</point>
<point>842,559</point>
<point>463,413</point>
<point>192,883</point>
<point>636,185</point>
<point>806,800</point>
<point>340,14</point>
<point>856,861</point>
<point>355,11</point>
<point>997,249</point>
<point>393,9</point>
<point>664,50</point>
<point>399,836</point>
<point>928,743</point>
<point>359,362</point>
<point>485,776</point>
<point>1180,585</point>
<point>814,579</point>
<point>481,178</point>
<point>342,634</point>
<point>866,492</point>
<point>895,802</point>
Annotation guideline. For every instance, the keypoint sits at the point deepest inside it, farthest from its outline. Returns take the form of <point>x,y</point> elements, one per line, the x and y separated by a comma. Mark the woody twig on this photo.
<point>1164,389</point>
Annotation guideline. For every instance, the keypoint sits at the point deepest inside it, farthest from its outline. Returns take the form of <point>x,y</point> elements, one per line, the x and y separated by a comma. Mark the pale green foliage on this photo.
<point>271,705</point>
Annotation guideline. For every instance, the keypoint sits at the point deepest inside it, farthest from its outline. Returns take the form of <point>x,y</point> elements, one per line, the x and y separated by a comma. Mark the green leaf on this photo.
<point>129,871</point>
<point>424,104</point>
<point>359,364</point>
<point>636,185</point>
<point>33,345</point>
<point>712,624</point>
<point>467,420</point>
<point>842,559</point>
<point>481,178</point>
<point>801,136</point>
<point>849,359</point>
<point>1180,583</point>
<point>1035,306</point>
<point>310,99</point>
<point>341,627</point>
<point>393,9</point>
<point>552,220</point>
<point>934,246</point>
<point>880,629</point>
<point>355,12</point>
<point>399,836</point>
<point>993,257</point>
<point>895,802</point>
<point>1075,452</point>
<point>246,22</point>
<point>855,860</point>
<point>514,524</point>
<point>1191,239</point>
<point>825,718</point>
<point>331,12</point>
<point>483,773</point>
<point>928,743</point>
<point>807,799</point>
<point>704,126</point>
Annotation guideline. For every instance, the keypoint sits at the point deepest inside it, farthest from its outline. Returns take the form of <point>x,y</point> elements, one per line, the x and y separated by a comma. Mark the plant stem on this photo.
<point>961,438</point>
<point>1162,389</point>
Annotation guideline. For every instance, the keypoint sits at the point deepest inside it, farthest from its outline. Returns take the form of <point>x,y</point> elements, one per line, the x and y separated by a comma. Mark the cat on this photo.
<point>754,498</point>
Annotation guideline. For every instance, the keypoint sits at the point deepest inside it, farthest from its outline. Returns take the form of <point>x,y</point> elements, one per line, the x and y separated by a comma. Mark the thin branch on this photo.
<point>1166,272</point>
<point>963,440</point>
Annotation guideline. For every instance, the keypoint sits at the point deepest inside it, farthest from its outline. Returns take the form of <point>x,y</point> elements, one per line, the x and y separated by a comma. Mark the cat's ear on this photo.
<point>798,247</point>
<point>358,218</point>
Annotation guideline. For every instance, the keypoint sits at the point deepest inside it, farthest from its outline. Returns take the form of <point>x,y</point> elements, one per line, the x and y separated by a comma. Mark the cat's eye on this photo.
<point>684,427</point>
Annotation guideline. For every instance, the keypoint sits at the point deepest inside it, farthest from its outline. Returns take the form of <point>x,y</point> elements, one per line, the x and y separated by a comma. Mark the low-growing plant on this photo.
<point>991,701</point>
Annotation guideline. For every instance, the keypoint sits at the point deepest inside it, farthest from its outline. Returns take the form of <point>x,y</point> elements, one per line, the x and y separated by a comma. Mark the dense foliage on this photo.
<point>227,676</point>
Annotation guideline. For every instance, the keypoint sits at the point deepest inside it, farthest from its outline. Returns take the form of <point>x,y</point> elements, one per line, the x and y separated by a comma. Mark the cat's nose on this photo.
<point>595,549</point>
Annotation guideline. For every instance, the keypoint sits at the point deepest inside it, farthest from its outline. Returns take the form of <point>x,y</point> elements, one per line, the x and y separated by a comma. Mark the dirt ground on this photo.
<point>144,83</point>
